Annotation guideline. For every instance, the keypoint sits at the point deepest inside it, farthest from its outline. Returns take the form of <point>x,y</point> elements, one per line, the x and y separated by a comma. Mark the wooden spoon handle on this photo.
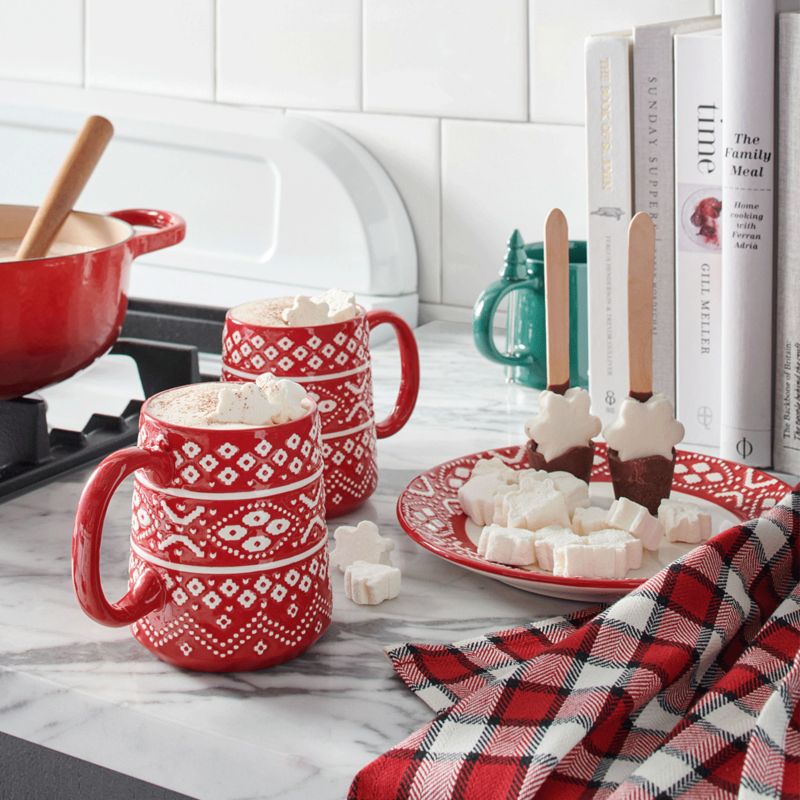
<point>641,259</point>
<point>67,187</point>
<point>556,293</point>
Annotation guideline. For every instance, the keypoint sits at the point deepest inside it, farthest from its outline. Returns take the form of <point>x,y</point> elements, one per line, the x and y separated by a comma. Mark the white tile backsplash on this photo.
<point>408,149</point>
<point>497,177</point>
<point>456,58</point>
<point>300,53</point>
<point>473,107</point>
<point>156,47</point>
<point>558,30</point>
<point>42,40</point>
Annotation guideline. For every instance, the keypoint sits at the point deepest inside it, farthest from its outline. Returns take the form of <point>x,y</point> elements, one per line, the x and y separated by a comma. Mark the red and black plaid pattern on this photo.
<point>687,687</point>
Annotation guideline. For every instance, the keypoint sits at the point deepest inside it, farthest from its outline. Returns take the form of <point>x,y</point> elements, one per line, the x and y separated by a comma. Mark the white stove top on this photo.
<point>105,387</point>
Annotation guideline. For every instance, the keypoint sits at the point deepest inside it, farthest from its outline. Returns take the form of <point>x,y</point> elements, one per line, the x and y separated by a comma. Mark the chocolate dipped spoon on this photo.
<point>561,434</point>
<point>641,441</point>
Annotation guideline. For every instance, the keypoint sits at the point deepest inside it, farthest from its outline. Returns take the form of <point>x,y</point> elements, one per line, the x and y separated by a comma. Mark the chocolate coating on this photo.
<point>577,460</point>
<point>646,480</point>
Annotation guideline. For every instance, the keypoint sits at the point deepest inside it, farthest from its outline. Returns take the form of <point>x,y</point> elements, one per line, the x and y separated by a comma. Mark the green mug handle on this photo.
<point>483,314</point>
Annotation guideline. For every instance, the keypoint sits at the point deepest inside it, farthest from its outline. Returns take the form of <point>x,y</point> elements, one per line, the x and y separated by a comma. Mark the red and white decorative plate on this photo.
<point>429,512</point>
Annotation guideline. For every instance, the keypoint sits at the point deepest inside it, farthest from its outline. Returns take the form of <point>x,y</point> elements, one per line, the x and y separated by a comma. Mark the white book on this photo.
<point>654,175</point>
<point>786,440</point>
<point>698,209</point>
<point>608,136</point>
<point>748,78</point>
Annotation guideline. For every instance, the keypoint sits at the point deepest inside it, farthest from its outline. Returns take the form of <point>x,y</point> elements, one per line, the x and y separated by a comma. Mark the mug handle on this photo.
<point>409,376</point>
<point>171,229</point>
<point>149,592</point>
<point>483,314</point>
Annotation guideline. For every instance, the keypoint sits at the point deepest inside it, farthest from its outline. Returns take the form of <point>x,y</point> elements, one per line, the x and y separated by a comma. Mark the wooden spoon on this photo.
<point>67,187</point>
<point>641,260</point>
<point>556,303</point>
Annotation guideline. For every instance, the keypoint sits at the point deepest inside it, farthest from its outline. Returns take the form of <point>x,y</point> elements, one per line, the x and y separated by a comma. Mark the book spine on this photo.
<point>608,133</point>
<point>698,276</point>
<point>748,78</point>
<point>654,184</point>
<point>786,440</point>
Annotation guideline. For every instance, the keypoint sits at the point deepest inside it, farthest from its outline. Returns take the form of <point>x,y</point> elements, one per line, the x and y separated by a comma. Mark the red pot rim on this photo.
<point>82,253</point>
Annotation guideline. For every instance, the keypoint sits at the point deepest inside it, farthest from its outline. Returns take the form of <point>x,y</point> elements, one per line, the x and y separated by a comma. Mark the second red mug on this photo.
<point>332,362</point>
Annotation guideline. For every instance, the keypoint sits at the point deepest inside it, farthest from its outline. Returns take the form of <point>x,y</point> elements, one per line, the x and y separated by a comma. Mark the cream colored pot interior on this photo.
<point>86,231</point>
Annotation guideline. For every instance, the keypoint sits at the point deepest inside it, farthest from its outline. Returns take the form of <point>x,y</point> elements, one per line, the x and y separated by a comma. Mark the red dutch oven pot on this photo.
<point>58,314</point>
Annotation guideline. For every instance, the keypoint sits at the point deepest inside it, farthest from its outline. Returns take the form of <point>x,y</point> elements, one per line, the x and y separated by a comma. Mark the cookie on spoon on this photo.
<point>642,439</point>
<point>560,435</point>
<point>641,450</point>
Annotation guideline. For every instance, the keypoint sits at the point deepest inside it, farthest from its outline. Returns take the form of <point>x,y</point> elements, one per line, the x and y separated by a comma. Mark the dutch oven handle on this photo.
<point>171,229</point>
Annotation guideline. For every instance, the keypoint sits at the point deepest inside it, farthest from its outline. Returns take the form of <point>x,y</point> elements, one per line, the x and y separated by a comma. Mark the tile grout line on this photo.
<point>84,43</point>
<point>528,36</point>
<point>215,50</point>
<point>362,62</point>
<point>441,210</point>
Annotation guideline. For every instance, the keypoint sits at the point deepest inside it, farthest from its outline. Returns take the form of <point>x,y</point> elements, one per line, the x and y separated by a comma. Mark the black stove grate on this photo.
<point>30,457</point>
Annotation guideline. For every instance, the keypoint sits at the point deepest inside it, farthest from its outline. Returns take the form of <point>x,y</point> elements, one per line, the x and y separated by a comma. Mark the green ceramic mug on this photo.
<point>522,278</point>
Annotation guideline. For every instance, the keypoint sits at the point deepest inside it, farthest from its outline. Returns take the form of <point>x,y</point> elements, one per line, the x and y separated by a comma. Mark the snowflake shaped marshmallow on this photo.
<point>564,421</point>
<point>360,543</point>
<point>289,397</point>
<point>644,429</point>
<point>306,311</point>
<point>341,304</point>
<point>243,403</point>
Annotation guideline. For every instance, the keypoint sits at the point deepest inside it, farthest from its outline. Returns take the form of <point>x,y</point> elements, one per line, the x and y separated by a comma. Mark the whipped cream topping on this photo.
<point>563,422</point>
<point>268,401</point>
<point>335,305</point>
<point>644,429</point>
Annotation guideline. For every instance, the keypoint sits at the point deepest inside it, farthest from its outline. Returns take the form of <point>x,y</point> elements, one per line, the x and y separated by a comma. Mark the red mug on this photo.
<point>332,363</point>
<point>229,564</point>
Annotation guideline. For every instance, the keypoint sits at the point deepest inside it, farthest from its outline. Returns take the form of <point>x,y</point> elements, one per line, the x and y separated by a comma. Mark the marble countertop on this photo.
<point>299,730</point>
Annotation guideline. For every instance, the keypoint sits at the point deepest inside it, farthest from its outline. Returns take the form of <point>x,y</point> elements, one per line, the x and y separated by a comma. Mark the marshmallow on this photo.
<point>684,522</point>
<point>644,429</point>
<point>288,397</point>
<point>340,305</point>
<point>494,466</point>
<point>575,491</point>
<point>534,504</point>
<point>588,520</point>
<point>549,539</point>
<point>477,498</point>
<point>563,422</point>
<point>633,546</point>
<point>637,521</point>
<point>306,311</point>
<point>607,560</point>
<point>369,584</point>
<point>513,546</point>
<point>360,543</point>
<point>500,517</point>
<point>490,477</point>
<point>530,478</point>
<point>244,404</point>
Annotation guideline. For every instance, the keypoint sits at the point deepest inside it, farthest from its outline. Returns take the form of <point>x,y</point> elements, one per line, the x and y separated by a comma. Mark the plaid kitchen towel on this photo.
<point>687,687</point>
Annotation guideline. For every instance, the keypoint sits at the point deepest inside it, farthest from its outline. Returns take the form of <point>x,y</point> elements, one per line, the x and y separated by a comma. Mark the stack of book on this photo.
<point>686,120</point>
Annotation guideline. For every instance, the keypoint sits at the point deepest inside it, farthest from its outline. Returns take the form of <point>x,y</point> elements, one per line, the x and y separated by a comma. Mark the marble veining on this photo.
<point>303,729</point>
